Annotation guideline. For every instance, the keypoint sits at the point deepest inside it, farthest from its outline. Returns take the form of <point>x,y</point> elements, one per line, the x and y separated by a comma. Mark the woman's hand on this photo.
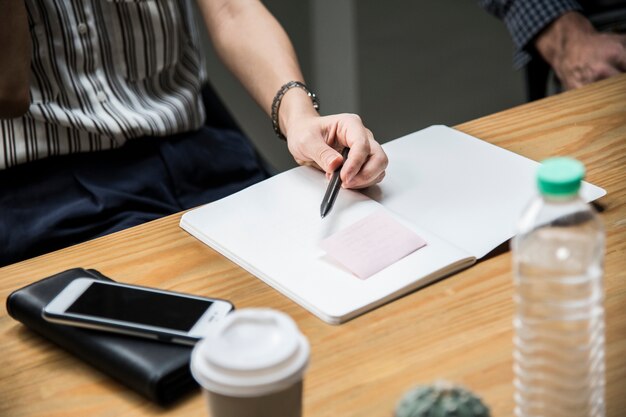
<point>318,140</point>
<point>257,50</point>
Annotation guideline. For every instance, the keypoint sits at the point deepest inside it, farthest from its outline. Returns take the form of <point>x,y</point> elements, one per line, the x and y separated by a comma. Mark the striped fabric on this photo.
<point>103,72</point>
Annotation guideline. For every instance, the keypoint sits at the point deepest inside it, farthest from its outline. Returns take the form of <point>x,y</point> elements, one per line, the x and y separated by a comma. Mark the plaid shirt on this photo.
<point>525,19</point>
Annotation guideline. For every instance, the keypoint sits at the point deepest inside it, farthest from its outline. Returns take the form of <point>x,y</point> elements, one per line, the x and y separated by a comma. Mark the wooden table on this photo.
<point>458,329</point>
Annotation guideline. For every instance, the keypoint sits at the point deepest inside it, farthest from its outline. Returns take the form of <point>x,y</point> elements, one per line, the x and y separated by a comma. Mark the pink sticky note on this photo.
<point>371,244</point>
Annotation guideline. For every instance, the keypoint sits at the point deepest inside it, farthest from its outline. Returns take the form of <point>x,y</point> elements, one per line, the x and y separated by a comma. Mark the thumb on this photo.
<point>326,157</point>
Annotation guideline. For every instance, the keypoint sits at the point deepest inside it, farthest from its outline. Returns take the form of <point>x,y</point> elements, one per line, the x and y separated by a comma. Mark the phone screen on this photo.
<point>138,306</point>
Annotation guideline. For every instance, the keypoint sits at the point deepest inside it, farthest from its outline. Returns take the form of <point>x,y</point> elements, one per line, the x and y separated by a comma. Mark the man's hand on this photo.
<point>317,141</point>
<point>578,53</point>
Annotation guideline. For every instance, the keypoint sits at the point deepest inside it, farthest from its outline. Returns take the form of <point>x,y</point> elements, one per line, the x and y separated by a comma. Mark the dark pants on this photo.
<point>60,201</point>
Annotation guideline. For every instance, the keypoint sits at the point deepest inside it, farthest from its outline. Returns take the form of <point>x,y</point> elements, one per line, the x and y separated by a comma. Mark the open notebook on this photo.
<point>460,194</point>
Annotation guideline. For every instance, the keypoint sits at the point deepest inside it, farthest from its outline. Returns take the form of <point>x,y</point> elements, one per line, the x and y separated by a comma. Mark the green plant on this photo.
<point>442,399</point>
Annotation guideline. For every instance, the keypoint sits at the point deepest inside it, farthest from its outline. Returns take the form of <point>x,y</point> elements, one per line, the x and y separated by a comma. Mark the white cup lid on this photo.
<point>250,352</point>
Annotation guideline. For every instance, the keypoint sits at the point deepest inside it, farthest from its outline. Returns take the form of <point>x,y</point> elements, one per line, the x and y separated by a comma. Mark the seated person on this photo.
<point>561,34</point>
<point>106,120</point>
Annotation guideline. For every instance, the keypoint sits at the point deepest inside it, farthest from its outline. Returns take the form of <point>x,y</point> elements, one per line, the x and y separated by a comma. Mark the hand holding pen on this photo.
<point>313,141</point>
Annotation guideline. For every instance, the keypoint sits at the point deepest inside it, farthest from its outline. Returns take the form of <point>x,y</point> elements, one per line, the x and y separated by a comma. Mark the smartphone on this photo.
<point>135,310</point>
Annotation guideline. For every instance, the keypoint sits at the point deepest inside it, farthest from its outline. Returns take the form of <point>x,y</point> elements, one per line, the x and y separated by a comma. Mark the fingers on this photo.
<point>308,163</point>
<point>620,60</point>
<point>309,148</point>
<point>606,71</point>
<point>327,158</point>
<point>615,57</point>
<point>366,161</point>
<point>594,57</point>
<point>352,133</point>
<point>579,76</point>
<point>319,141</point>
<point>373,169</point>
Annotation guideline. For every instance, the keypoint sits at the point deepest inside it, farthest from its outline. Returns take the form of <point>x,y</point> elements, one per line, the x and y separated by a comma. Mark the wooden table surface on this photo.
<point>458,329</point>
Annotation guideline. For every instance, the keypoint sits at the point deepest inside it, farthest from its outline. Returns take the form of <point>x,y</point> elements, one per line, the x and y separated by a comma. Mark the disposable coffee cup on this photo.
<point>251,364</point>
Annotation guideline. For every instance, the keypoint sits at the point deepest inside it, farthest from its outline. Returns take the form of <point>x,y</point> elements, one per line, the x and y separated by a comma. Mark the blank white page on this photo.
<point>273,229</point>
<point>469,192</point>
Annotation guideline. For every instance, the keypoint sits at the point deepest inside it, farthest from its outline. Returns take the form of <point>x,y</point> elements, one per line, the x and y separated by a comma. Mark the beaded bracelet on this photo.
<point>279,96</point>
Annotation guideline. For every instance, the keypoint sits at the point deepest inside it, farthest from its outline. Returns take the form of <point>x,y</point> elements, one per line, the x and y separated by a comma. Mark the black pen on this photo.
<point>333,187</point>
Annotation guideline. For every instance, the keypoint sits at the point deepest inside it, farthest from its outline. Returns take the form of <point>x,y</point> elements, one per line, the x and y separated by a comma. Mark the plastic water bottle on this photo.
<point>559,323</point>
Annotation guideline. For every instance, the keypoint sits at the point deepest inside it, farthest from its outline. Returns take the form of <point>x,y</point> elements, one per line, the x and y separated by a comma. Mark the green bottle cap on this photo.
<point>560,176</point>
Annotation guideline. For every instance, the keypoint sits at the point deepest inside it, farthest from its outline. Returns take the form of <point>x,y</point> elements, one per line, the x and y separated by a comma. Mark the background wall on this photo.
<point>402,65</point>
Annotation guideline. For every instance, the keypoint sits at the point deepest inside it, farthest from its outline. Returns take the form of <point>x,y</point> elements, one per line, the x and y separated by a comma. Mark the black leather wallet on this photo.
<point>159,371</point>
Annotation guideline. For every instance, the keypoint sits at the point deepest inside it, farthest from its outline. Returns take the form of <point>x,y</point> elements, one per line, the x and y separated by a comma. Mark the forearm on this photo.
<point>15,59</point>
<point>257,50</point>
